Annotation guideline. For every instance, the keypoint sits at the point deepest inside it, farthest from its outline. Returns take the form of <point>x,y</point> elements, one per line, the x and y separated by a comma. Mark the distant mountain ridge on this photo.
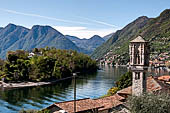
<point>1,29</point>
<point>107,37</point>
<point>88,45</point>
<point>156,30</point>
<point>13,37</point>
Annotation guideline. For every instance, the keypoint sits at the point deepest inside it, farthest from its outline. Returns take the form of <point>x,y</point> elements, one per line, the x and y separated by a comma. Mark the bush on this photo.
<point>149,103</point>
<point>112,90</point>
<point>125,80</point>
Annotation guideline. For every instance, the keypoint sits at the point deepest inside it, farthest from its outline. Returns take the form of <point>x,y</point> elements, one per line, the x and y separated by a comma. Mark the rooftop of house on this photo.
<point>164,78</point>
<point>152,86</point>
<point>109,102</point>
<point>81,105</point>
<point>127,91</point>
<point>138,39</point>
<point>89,104</point>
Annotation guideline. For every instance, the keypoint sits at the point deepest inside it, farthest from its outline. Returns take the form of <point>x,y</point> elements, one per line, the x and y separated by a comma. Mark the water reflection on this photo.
<point>158,71</point>
<point>88,86</point>
<point>33,96</point>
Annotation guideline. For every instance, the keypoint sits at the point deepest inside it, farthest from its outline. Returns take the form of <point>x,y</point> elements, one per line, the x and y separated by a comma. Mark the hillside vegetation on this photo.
<point>156,30</point>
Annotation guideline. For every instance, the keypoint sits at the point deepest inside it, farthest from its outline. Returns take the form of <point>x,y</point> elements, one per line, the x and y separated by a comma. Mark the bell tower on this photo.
<point>139,62</point>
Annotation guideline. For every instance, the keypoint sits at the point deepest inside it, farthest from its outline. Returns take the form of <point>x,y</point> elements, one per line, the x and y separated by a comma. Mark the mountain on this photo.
<point>10,35</point>
<point>94,42</point>
<point>107,37</point>
<point>119,38</point>
<point>13,37</point>
<point>156,30</point>
<point>1,29</point>
<point>87,45</point>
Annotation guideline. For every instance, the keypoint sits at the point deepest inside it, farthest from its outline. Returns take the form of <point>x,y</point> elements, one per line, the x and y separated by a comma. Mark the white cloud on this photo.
<point>44,17</point>
<point>83,32</point>
<point>79,31</point>
<point>67,28</point>
<point>99,22</point>
<point>93,22</point>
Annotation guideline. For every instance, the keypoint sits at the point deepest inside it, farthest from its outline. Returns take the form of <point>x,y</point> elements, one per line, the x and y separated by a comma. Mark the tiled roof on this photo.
<point>81,105</point>
<point>152,86</point>
<point>127,91</point>
<point>165,87</point>
<point>88,104</point>
<point>164,78</point>
<point>138,39</point>
<point>110,102</point>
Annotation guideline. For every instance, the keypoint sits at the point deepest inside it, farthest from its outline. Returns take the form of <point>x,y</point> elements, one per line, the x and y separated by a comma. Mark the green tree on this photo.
<point>51,64</point>
<point>125,80</point>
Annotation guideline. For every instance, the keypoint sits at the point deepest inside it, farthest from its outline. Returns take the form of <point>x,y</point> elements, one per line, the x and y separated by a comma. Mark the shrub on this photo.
<point>149,103</point>
<point>125,80</point>
<point>112,90</point>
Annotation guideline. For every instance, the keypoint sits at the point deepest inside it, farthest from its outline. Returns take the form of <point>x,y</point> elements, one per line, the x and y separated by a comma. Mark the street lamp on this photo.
<point>74,76</point>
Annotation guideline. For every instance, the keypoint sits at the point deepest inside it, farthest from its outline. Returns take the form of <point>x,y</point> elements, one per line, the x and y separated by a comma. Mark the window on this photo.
<point>138,59</point>
<point>137,75</point>
<point>144,76</point>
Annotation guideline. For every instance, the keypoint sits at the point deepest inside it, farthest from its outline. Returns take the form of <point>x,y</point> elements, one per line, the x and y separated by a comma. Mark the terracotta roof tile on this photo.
<point>81,105</point>
<point>152,86</point>
<point>164,78</point>
<point>110,102</point>
<point>127,91</point>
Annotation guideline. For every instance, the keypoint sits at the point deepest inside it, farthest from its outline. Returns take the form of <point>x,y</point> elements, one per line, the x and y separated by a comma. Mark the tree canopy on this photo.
<point>45,64</point>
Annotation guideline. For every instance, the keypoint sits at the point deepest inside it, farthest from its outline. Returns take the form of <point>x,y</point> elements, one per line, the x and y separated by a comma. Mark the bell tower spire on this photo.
<point>139,62</point>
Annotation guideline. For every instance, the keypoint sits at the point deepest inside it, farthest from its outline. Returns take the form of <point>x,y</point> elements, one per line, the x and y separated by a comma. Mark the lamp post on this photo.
<point>74,76</point>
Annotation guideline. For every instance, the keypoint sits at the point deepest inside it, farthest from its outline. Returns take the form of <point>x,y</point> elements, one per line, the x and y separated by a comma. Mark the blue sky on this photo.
<point>82,18</point>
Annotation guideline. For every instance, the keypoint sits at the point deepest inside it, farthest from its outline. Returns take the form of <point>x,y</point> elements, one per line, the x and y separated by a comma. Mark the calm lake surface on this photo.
<point>88,86</point>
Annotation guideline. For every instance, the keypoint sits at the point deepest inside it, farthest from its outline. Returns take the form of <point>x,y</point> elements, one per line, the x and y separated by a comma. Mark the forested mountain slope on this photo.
<point>156,30</point>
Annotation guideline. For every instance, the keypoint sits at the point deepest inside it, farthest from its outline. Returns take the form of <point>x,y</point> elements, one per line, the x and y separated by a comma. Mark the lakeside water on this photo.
<point>89,86</point>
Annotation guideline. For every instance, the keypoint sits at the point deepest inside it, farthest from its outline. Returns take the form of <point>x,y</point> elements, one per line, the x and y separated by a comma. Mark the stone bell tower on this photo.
<point>139,62</point>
